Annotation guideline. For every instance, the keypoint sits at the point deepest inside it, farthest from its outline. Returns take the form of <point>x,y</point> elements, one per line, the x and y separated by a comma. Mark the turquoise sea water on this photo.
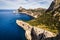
<point>9,30</point>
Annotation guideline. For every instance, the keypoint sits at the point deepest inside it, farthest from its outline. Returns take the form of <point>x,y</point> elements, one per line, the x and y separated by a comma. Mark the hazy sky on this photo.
<point>15,4</point>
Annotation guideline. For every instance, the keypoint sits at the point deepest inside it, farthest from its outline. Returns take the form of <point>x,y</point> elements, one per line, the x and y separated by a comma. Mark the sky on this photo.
<point>15,4</point>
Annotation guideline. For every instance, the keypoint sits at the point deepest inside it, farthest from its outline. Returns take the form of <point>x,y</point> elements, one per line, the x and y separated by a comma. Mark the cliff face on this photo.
<point>54,10</point>
<point>54,7</point>
<point>34,33</point>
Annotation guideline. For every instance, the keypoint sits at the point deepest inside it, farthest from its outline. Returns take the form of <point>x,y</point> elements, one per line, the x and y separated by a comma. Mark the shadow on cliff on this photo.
<point>42,36</point>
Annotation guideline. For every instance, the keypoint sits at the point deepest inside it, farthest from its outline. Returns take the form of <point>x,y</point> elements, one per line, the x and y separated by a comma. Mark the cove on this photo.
<point>9,30</point>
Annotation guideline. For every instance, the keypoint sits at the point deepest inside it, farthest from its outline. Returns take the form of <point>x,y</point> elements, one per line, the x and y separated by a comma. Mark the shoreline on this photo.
<point>29,14</point>
<point>37,31</point>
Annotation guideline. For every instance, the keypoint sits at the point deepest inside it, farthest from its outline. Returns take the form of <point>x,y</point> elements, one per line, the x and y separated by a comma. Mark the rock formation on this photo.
<point>54,10</point>
<point>32,12</point>
<point>54,7</point>
<point>34,33</point>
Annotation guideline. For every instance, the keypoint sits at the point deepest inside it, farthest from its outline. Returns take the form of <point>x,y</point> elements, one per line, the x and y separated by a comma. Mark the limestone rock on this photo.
<point>34,33</point>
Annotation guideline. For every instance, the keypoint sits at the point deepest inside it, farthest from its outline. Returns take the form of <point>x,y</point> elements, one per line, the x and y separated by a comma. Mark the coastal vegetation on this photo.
<point>48,19</point>
<point>46,22</point>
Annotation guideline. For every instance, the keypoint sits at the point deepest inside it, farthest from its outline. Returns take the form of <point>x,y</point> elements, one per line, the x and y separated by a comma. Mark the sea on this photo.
<point>9,30</point>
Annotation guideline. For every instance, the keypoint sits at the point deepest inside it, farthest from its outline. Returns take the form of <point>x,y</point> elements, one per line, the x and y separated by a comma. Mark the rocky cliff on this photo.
<point>54,10</point>
<point>34,33</point>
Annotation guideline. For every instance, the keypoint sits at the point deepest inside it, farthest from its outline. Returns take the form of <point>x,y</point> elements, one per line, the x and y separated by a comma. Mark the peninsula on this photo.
<point>32,12</point>
<point>45,26</point>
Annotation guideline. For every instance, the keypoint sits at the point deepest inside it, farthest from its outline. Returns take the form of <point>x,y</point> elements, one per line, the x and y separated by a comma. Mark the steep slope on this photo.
<point>55,12</point>
<point>49,20</point>
<point>34,33</point>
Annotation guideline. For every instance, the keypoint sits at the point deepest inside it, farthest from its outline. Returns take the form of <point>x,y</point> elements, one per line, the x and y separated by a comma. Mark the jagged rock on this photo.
<point>34,33</point>
<point>55,11</point>
<point>55,6</point>
<point>51,6</point>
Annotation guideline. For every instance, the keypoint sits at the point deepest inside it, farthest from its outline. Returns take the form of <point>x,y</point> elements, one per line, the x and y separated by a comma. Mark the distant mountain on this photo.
<point>20,9</point>
<point>32,12</point>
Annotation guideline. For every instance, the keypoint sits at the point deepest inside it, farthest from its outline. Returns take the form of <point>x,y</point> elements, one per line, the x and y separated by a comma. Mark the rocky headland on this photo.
<point>32,12</point>
<point>34,33</point>
<point>49,17</point>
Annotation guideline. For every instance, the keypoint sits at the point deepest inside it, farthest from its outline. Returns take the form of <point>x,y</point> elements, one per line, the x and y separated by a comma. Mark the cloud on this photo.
<point>14,4</point>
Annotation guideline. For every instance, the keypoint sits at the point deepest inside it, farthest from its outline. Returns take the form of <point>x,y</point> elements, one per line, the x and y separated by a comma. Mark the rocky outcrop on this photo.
<point>34,33</point>
<point>54,10</point>
<point>55,4</point>
<point>32,12</point>
<point>54,7</point>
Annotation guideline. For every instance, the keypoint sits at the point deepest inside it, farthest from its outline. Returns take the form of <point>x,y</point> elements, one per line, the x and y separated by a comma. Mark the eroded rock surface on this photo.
<point>34,33</point>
